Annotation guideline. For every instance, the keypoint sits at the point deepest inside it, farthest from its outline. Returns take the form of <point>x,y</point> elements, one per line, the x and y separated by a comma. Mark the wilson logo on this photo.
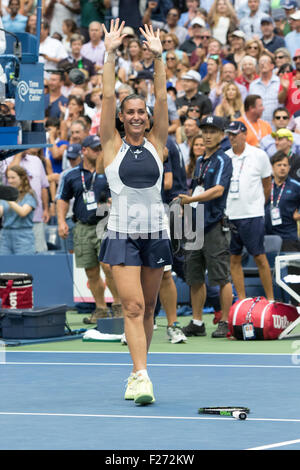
<point>280,323</point>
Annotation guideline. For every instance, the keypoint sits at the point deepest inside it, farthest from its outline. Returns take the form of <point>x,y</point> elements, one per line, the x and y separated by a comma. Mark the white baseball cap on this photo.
<point>192,75</point>
<point>239,34</point>
<point>199,21</point>
<point>295,16</point>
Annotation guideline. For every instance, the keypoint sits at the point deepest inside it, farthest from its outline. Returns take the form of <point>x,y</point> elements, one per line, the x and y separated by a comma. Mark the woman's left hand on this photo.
<point>152,40</point>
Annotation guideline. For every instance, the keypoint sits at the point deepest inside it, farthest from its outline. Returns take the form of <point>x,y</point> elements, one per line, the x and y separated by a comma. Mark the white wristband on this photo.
<point>108,55</point>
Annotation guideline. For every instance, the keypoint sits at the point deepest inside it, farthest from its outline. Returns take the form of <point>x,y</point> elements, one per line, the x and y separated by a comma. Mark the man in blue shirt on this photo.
<point>271,41</point>
<point>14,22</point>
<point>282,209</point>
<point>211,184</point>
<point>89,190</point>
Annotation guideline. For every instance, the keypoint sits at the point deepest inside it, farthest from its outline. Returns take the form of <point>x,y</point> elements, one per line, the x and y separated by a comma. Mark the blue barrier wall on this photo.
<point>52,276</point>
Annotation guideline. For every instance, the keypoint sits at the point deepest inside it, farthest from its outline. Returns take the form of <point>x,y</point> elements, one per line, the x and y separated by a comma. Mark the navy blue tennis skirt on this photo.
<point>150,250</point>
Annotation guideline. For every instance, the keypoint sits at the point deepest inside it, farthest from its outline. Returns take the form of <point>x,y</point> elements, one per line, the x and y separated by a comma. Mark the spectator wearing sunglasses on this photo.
<point>282,56</point>
<point>170,43</point>
<point>281,120</point>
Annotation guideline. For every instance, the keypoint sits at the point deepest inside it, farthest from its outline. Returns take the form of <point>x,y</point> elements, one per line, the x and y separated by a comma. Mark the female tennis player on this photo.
<point>136,244</point>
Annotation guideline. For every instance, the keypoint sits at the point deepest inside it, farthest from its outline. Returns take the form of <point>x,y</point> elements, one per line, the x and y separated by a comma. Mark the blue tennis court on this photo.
<point>60,400</point>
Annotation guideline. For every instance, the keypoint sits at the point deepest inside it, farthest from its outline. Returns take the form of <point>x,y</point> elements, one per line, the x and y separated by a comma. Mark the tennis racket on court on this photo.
<point>238,412</point>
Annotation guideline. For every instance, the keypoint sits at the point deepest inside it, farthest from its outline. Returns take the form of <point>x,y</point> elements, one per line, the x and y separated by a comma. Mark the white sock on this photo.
<point>142,373</point>
<point>198,322</point>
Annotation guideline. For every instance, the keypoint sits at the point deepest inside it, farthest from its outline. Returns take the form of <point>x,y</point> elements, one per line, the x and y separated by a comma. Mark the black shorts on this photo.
<point>214,257</point>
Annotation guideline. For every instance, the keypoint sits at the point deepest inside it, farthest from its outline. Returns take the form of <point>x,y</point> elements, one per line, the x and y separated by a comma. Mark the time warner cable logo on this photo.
<point>23,90</point>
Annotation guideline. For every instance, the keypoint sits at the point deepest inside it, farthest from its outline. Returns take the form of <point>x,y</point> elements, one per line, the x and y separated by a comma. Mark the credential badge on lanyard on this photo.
<point>89,195</point>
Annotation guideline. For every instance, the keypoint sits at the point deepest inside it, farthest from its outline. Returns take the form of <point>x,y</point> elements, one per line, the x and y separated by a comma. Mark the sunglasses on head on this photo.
<point>214,56</point>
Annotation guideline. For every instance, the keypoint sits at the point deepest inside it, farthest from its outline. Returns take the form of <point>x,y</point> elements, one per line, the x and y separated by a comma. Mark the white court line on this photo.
<point>239,366</point>
<point>278,444</point>
<point>182,418</point>
<point>183,353</point>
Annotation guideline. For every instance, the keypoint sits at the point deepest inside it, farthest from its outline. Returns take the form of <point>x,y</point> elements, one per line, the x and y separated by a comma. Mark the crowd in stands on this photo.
<point>238,60</point>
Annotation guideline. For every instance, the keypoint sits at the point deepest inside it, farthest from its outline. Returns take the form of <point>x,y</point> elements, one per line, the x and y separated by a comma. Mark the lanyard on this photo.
<point>279,196</point>
<point>237,177</point>
<point>203,171</point>
<point>83,182</point>
<point>257,135</point>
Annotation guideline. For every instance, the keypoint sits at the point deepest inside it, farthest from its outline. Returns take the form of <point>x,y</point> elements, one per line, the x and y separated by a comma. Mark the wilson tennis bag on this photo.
<point>16,290</point>
<point>258,318</point>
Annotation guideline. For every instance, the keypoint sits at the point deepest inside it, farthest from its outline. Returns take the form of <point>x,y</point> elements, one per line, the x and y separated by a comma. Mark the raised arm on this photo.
<point>159,132</point>
<point>110,138</point>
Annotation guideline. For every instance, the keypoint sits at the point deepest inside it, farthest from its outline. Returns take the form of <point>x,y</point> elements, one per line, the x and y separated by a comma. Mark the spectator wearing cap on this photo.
<point>249,190</point>
<point>192,97</point>
<point>74,156</point>
<point>289,7</point>
<point>238,41</point>
<point>282,208</point>
<point>281,120</point>
<point>284,141</point>
<point>89,190</point>
<point>257,128</point>
<point>270,40</point>
<point>210,187</point>
<point>144,85</point>
<point>292,39</point>
<point>251,24</point>
<point>266,86</point>
<point>94,49</point>
<point>197,25</point>
<point>289,91</point>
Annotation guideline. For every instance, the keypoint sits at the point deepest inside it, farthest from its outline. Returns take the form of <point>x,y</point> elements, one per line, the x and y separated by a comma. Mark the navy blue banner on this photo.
<point>29,96</point>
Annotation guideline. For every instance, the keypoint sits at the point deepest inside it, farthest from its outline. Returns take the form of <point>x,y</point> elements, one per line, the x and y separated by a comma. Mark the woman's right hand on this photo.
<point>114,37</point>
